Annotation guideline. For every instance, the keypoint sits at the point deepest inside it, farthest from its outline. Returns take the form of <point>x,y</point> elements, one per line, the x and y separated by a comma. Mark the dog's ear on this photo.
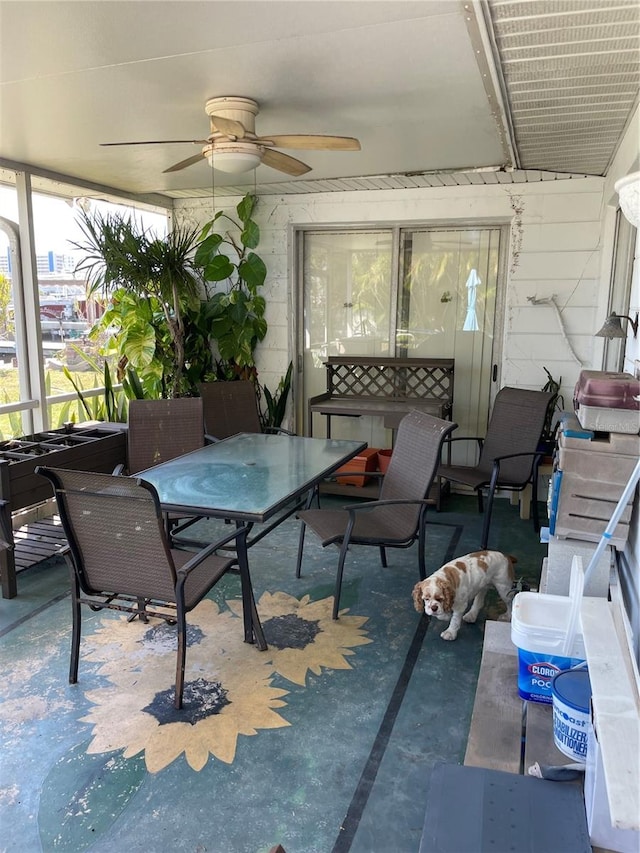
<point>449,587</point>
<point>448,597</point>
<point>418,601</point>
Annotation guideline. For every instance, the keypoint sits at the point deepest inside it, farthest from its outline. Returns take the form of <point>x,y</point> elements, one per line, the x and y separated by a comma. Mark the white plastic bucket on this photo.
<point>571,692</point>
<point>547,632</point>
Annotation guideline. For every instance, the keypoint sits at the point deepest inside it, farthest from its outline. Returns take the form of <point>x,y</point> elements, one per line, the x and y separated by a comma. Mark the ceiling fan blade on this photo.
<point>184,163</point>
<point>284,163</point>
<point>312,142</point>
<point>158,142</point>
<point>228,126</point>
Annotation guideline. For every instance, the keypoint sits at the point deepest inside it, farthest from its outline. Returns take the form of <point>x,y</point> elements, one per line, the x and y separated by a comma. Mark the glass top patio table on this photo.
<point>248,477</point>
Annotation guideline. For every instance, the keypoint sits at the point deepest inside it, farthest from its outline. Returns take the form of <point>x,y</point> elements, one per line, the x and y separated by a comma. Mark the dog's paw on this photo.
<point>504,617</point>
<point>470,617</point>
<point>448,634</point>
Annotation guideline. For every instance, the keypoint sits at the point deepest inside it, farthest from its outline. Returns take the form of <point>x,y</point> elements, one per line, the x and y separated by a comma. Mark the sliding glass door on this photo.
<point>407,293</point>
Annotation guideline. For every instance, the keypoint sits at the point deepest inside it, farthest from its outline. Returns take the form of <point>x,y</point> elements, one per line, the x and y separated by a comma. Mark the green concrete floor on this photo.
<point>325,747</point>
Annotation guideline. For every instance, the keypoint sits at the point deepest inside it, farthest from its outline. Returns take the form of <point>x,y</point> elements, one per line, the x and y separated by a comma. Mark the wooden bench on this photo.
<point>507,733</point>
<point>385,387</point>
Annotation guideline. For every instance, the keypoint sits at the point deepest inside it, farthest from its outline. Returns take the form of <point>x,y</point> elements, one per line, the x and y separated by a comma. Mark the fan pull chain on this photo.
<point>213,192</point>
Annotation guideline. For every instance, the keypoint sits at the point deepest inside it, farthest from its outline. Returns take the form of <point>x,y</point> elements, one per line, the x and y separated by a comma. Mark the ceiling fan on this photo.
<point>233,146</point>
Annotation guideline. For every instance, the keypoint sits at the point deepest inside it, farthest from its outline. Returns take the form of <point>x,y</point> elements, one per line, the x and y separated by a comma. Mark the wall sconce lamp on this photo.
<point>613,328</point>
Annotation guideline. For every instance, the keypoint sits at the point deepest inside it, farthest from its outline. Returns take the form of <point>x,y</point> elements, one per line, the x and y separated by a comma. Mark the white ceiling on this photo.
<point>428,86</point>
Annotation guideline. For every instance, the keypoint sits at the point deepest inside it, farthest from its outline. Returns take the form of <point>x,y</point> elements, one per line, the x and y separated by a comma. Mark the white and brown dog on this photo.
<point>448,592</point>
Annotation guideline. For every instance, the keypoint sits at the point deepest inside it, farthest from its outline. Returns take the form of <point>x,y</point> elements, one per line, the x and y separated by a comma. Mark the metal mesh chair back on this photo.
<point>160,430</point>
<point>412,468</point>
<point>115,532</point>
<point>230,408</point>
<point>516,425</point>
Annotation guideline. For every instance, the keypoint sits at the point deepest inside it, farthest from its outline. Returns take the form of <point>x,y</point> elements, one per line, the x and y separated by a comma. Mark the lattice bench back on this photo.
<point>391,378</point>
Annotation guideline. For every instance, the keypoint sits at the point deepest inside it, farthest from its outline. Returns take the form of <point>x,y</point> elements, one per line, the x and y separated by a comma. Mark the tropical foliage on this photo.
<point>276,403</point>
<point>152,284</point>
<point>236,313</point>
<point>180,309</point>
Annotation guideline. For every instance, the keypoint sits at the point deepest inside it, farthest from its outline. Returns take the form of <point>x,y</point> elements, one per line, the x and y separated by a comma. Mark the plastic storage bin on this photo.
<point>546,630</point>
<point>608,401</point>
<point>591,476</point>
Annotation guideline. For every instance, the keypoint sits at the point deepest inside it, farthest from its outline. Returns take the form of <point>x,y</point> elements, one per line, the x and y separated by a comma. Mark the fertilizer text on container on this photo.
<point>566,733</point>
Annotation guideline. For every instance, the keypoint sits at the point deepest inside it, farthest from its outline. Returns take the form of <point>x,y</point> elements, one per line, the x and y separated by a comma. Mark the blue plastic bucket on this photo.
<point>571,694</point>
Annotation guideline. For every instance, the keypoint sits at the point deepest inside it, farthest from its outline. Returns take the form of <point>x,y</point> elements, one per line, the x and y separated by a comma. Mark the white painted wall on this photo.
<point>556,249</point>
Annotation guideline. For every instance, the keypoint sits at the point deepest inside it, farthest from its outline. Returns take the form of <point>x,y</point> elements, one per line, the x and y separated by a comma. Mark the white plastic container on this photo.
<point>571,691</point>
<point>547,632</point>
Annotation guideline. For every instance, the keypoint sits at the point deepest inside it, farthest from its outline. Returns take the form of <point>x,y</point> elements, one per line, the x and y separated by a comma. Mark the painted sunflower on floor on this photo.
<point>228,685</point>
<point>302,636</point>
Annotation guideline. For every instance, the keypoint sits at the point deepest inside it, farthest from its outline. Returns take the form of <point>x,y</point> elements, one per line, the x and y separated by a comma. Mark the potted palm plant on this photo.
<point>154,289</point>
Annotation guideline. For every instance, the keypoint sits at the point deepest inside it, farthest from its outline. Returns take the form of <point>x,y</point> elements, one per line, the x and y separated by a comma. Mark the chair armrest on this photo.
<point>534,453</point>
<point>495,472</point>
<point>195,561</point>
<point>448,440</point>
<point>118,471</point>
<point>369,505</point>
<point>210,439</point>
<point>338,476</point>
<point>278,431</point>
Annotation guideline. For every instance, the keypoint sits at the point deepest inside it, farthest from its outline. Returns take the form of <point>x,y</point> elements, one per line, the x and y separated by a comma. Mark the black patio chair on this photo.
<point>397,518</point>
<point>232,407</point>
<point>159,430</point>
<point>120,558</point>
<point>509,453</point>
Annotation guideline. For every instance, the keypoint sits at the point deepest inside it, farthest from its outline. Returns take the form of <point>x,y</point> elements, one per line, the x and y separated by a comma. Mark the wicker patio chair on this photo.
<point>120,558</point>
<point>230,408</point>
<point>159,430</point>
<point>397,518</point>
<point>509,455</point>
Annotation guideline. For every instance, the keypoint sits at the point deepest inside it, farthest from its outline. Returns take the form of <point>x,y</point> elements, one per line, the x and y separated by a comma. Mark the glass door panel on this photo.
<point>446,309</point>
<point>347,304</point>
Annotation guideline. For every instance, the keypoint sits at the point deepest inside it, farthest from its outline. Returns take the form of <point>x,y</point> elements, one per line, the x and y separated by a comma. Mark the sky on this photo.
<point>54,219</point>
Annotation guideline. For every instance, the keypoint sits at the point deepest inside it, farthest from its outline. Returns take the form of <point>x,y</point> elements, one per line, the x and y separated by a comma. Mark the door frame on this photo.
<point>296,249</point>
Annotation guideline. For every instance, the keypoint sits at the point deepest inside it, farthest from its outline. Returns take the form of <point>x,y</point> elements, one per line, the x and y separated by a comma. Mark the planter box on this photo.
<point>367,460</point>
<point>384,457</point>
<point>89,448</point>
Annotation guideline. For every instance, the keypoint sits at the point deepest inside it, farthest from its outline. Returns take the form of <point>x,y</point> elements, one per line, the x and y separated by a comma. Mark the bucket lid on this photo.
<point>576,589</point>
<point>572,686</point>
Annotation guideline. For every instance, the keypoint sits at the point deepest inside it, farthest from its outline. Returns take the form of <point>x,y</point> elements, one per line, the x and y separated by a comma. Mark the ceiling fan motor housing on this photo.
<point>243,110</point>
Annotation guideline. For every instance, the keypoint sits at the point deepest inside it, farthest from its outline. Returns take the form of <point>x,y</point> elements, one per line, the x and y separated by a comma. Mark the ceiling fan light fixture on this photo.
<point>234,158</point>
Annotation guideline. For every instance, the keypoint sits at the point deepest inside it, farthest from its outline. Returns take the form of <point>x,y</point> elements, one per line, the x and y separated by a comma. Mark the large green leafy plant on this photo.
<point>154,289</point>
<point>235,313</point>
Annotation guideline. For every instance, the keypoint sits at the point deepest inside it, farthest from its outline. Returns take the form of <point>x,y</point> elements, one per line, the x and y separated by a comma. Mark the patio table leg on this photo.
<point>252,627</point>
